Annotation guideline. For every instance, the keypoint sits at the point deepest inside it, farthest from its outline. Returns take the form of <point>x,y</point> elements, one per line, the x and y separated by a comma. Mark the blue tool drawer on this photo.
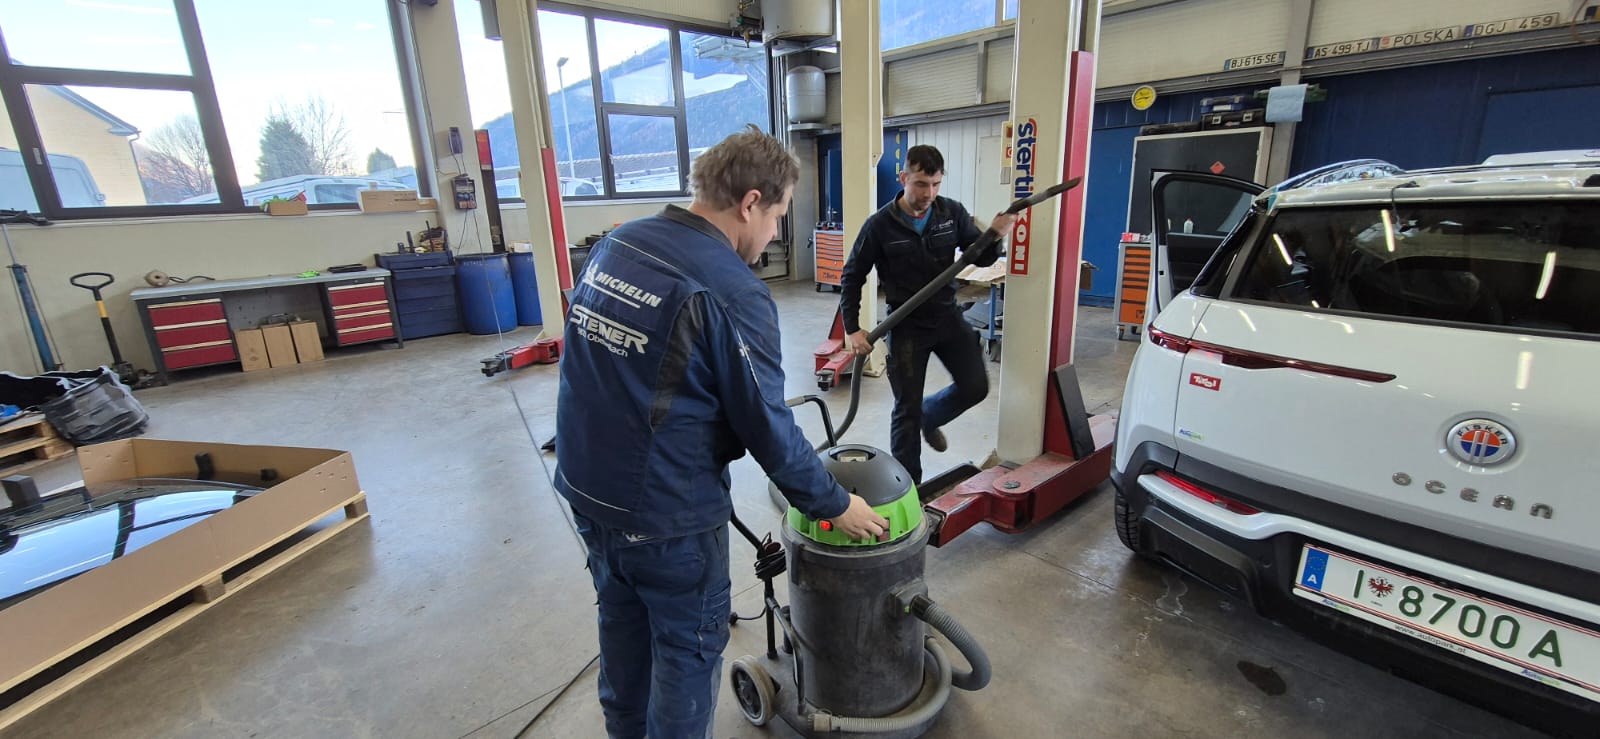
<point>425,300</point>
<point>430,323</point>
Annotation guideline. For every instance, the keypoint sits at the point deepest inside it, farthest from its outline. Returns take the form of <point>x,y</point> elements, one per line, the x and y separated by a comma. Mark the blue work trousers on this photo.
<point>663,625</point>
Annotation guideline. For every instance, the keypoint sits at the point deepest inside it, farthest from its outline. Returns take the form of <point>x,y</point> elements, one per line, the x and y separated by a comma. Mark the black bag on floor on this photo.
<point>87,407</point>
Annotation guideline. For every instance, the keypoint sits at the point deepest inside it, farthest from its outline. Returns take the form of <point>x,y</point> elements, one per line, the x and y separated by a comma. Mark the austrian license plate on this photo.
<point>1535,646</point>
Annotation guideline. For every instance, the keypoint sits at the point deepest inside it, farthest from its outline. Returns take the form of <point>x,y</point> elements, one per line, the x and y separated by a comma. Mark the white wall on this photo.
<point>583,219</point>
<point>959,141</point>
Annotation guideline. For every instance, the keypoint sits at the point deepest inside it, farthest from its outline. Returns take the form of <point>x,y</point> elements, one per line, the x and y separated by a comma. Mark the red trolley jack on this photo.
<point>543,351</point>
<point>834,358</point>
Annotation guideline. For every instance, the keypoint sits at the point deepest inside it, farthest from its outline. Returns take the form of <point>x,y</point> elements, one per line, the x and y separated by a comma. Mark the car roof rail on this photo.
<point>1354,169</point>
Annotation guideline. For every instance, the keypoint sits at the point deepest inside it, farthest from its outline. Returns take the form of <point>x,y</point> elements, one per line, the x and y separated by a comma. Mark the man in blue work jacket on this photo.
<point>671,370</point>
<point>910,241</point>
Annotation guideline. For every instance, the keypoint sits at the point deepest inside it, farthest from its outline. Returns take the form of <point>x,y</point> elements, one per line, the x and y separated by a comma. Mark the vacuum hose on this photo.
<point>936,616</point>
<point>968,256</point>
<point>823,722</point>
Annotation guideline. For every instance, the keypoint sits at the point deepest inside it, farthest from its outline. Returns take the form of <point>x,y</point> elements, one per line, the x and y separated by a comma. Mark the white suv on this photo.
<point>1365,405</point>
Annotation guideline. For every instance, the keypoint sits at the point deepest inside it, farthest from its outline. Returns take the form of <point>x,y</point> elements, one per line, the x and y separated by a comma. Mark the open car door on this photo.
<point>1193,213</point>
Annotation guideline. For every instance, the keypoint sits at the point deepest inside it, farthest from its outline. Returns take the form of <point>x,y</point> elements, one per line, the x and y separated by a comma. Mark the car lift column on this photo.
<point>530,116</point>
<point>1052,98</point>
<point>861,108</point>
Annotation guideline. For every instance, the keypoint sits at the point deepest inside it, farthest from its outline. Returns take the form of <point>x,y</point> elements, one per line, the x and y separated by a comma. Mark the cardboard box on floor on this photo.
<point>307,342</point>
<point>280,344</point>
<point>252,349</point>
<point>58,622</point>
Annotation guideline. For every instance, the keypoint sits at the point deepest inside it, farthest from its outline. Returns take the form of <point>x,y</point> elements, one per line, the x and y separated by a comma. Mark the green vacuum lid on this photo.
<point>880,480</point>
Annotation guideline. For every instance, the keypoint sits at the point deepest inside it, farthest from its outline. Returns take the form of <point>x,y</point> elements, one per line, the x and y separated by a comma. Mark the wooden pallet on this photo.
<point>201,595</point>
<point>28,442</point>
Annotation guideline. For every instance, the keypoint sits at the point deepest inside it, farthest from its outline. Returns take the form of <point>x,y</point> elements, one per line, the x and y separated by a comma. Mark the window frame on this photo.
<point>15,78</point>
<point>678,111</point>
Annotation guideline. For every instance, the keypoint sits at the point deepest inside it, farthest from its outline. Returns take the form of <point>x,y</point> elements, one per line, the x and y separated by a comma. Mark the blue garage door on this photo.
<point>1540,120</point>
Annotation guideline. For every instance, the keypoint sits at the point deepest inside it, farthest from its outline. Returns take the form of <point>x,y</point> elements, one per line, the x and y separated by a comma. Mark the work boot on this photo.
<point>935,439</point>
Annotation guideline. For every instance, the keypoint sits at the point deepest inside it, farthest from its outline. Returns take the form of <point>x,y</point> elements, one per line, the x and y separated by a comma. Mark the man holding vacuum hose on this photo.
<point>671,370</point>
<point>910,241</point>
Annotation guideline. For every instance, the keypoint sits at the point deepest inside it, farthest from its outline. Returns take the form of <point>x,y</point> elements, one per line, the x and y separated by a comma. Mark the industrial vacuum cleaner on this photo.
<point>855,657</point>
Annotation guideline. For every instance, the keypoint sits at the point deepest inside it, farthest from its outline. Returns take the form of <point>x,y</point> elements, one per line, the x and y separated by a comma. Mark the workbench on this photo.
<point>193,324</point>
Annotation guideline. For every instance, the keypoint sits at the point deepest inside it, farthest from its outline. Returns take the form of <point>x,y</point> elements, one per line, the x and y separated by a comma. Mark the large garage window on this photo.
<point>911,22</point>
<point>158,107</point>
<point>633,101</point>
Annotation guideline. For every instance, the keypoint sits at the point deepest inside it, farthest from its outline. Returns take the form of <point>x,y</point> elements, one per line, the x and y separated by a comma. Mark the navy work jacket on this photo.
<point>672,369</point>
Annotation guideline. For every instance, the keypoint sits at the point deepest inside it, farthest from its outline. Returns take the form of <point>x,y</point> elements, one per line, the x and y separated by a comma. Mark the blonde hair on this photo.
<point>745,161</point>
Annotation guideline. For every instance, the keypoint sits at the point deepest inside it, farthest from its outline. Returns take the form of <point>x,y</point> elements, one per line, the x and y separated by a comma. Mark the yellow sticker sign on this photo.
<point>1144,97</point>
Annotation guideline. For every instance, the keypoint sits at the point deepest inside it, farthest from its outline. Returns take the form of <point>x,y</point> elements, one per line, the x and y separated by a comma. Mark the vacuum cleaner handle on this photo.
<point>827,418</point>
<point>92,287</point>
<point>968,256</point>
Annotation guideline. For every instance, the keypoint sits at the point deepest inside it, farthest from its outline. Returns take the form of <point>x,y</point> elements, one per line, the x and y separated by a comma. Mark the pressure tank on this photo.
<point>807,94</point>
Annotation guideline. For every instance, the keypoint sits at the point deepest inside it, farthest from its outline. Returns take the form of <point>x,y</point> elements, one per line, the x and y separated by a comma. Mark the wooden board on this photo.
<point>28,442</point>
<point>207,592</point>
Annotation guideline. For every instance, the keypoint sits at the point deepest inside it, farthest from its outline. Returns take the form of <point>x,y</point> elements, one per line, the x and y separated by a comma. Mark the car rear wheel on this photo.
<point>1127,521</point>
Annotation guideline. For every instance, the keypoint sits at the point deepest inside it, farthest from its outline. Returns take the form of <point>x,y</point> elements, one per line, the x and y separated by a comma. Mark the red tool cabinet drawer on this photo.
<point>355,309</point>
<point>215,352</point>
<point>172,337</point>
<point>187,311</point>
<point>366,292</point>
<point>346,337</point>
<point>362,320</point>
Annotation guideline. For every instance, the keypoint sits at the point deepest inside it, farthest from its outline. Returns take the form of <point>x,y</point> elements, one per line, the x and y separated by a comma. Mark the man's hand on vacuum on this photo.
<point>859,521</point>
<point>1003,223</point>
<point>859,344</point>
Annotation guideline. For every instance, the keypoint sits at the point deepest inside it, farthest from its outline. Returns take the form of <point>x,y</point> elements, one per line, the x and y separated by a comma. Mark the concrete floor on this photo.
<point>464,607</point>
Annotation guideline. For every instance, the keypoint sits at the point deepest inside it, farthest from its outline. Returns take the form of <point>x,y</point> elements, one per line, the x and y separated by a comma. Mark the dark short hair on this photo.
<point>745,161</point>
<point>924,158</point>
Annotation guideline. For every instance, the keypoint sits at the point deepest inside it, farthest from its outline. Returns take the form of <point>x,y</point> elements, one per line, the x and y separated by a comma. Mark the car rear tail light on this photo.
<point>1232,506</point>
<point>1246,359</point>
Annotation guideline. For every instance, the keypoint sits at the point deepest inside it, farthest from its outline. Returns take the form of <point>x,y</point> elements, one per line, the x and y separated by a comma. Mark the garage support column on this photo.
<point>530,118</point>
<point>1278,162</point>
<point>1048,37</point>
<point>445,81</point>
<point>861,128</point>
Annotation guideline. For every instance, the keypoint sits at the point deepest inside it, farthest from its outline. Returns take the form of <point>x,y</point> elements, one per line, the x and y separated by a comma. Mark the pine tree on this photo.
<point>284,151</point>
<point>378,161</point>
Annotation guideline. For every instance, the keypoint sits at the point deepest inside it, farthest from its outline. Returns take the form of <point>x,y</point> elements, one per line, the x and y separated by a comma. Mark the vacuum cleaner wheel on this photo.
<point>753,687</point>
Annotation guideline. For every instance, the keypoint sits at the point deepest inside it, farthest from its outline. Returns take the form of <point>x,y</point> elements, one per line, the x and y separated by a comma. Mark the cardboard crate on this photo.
<point>307,341</point>
<point>287,208</point>
<point>189,568</point>
<point>280,345</point>
<point>252,349</point>
<point>389,201</point>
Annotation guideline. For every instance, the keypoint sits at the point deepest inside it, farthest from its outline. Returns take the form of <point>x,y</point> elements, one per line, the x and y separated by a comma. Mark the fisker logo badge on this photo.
<point>1481,441</point>
<point>1206,381</point>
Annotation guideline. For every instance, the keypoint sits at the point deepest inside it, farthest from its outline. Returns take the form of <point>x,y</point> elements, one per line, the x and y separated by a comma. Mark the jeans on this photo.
<point>664,609</point>
<point>956,345</point>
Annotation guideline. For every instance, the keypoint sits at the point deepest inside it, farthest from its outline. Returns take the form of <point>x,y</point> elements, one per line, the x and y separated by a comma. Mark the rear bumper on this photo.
<point>1260,569</point>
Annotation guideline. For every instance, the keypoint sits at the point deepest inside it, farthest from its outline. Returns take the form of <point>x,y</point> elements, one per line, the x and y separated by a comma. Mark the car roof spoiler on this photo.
<point>1354,169</point>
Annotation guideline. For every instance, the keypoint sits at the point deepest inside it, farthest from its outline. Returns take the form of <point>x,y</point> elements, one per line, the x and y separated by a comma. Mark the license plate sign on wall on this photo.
<point>1250,61</point>
<point>1540,648</point>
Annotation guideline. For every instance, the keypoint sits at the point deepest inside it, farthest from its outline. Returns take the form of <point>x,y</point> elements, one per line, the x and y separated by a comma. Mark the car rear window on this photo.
<point>1532,266</point>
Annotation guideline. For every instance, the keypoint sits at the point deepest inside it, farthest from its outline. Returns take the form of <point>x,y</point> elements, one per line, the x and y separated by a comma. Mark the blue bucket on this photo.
<point>525,284</point>
<point>486,298</point>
